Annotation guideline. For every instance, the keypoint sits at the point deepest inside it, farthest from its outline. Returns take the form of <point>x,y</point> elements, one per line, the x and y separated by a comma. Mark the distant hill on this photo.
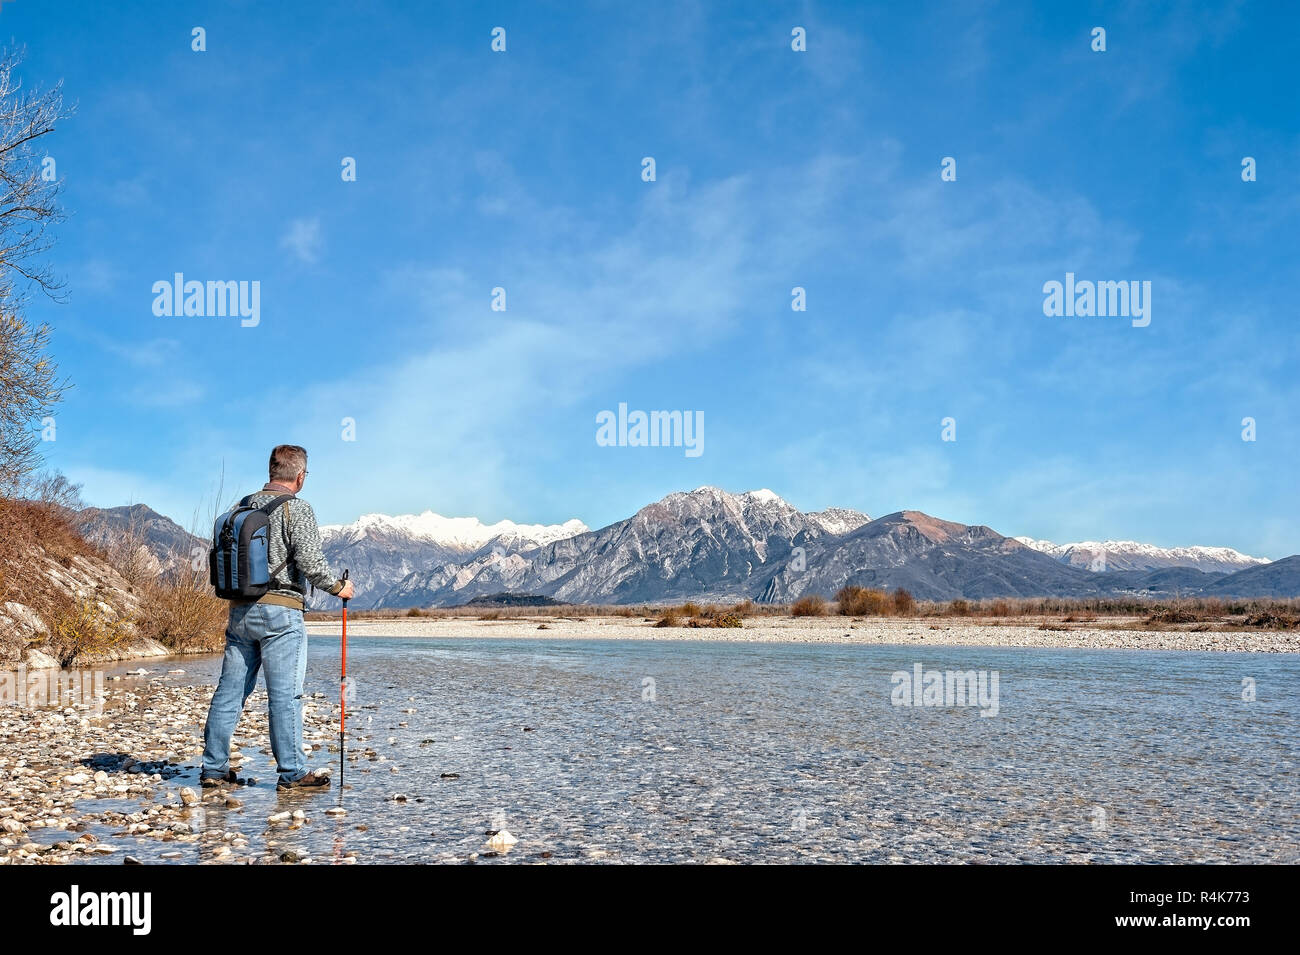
<point>1165,582</point>
<point>159,537</point>
<point>931,558</point>
<point>1281,578</point>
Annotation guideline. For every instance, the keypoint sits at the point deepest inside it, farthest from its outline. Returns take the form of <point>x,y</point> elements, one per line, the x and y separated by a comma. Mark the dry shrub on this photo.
<point>812,605</point>
<point>670,618</point>
<point>180,611</point>
<point>904,603</point>
<point>34,530</point>
<point>80,627</point>
<point>1177,614</point>
<point>34,525</point>
<point>1270,620</point>
<point>958,608</point>
<point>857,601</point>
<point>721,618</point>
<point>689,609</point>
<point>999,608</point>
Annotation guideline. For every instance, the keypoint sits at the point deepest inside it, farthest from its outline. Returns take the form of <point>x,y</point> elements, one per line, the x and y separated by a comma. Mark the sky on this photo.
<point>774,169</point>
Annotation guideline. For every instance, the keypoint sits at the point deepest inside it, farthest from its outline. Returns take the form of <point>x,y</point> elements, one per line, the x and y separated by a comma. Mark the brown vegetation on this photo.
<point>811,605</point>
<point>180,611</point>
<point>854,601</point>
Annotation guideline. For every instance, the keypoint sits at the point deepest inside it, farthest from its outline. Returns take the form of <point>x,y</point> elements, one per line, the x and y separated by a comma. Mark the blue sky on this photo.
<point>775,169</point>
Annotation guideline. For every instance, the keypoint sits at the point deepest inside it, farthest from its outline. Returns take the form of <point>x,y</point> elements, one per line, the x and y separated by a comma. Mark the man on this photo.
<point>269,633</point>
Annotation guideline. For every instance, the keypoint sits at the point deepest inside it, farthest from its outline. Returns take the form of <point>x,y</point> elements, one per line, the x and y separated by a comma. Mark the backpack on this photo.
<point>237,562</point>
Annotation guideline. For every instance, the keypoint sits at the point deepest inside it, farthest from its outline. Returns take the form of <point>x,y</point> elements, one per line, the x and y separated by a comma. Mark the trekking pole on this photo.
<point>343,693</point>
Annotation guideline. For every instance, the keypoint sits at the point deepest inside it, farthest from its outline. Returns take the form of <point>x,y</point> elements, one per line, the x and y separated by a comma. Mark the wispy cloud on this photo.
<point>303,240</point>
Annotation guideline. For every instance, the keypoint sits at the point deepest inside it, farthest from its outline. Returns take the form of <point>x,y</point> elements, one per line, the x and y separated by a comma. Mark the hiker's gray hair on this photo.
<point>286,461</point>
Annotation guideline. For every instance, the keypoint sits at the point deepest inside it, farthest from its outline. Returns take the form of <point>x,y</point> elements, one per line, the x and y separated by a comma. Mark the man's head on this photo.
<point>289,466</point>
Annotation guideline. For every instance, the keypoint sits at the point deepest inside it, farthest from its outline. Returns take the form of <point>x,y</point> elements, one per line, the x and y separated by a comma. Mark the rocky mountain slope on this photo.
<point>707,544</point>
<point>160,539</point>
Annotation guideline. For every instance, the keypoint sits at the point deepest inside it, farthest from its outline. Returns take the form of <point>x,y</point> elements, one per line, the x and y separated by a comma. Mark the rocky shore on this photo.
<point>80,787</point>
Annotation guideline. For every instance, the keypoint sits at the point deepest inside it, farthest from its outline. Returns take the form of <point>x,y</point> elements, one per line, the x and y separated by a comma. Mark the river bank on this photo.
<point>1108,635</point>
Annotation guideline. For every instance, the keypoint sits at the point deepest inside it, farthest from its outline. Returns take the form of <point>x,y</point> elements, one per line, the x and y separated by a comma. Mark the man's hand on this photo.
<point>347,591</point>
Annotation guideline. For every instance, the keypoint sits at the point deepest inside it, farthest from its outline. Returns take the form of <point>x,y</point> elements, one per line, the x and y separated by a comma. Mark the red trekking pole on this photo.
<point>343,693</point>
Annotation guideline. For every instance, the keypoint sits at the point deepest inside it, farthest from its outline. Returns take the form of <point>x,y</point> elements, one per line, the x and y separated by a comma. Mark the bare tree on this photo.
<point>29,383</point>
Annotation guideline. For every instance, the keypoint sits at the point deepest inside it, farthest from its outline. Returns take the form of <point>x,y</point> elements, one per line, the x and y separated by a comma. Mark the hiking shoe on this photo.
<point>310,781</point>
<point>208,782</point>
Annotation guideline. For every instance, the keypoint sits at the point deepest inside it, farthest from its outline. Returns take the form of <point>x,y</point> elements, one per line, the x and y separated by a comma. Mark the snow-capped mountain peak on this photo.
<point>1135,555</point>
<point>839,520</point>
<point>466,533</point>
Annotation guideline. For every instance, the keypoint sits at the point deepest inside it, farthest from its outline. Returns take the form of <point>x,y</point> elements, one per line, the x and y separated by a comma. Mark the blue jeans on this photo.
<point>260,635</point>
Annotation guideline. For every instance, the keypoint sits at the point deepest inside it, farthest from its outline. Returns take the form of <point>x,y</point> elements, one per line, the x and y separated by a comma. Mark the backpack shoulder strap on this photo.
<point>268,508</point>
<point>272,504</point>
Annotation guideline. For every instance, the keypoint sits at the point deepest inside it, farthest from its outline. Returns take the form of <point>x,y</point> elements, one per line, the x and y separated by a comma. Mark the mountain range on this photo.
<point>1131,555</point>
<point>714,545</point>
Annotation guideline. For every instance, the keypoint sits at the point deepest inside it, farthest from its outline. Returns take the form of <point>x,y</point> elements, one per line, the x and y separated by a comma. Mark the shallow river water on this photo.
<point>637,751</point>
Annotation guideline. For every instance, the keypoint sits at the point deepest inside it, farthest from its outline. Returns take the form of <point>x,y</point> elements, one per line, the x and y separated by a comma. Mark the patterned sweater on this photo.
<point>307,563</point>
